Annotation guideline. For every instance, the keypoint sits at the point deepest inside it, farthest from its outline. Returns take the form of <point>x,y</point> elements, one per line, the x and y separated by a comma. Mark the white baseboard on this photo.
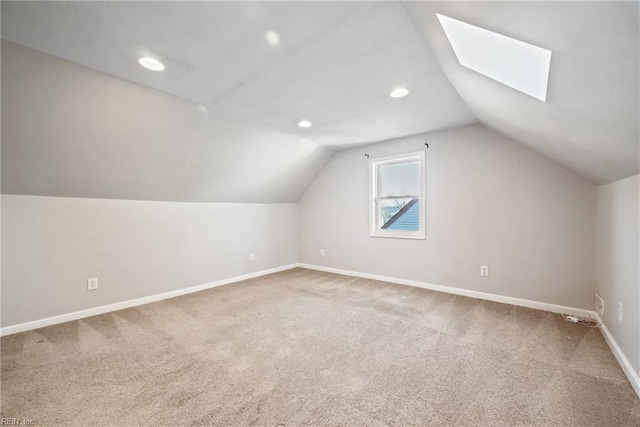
<point>54,320</point>
<point>554,308</point>
<point>631,374</point>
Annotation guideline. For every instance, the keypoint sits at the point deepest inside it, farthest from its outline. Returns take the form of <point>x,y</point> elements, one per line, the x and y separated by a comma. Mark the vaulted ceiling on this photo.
<point>225,126</point>
<point>589,123</point>
<point>335,65</point>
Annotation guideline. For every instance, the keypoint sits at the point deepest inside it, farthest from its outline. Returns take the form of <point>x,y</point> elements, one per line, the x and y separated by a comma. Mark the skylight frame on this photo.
<point>514,63</point>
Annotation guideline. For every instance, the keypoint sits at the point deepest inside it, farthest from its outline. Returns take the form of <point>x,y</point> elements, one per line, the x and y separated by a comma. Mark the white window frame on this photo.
<point>374,184</point>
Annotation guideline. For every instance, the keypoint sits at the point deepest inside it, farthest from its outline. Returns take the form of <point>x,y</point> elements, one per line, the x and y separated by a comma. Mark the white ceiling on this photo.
<point>589,123</point>
<point>336,64</point>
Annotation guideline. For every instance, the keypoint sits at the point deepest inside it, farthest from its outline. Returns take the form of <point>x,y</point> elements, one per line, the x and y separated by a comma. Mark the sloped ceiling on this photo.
<point>219,124</point>
<point>74,132</point>
<point>589,123</point>
<point>335,65</point>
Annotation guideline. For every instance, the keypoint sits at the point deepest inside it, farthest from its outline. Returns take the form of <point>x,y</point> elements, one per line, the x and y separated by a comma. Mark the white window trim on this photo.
<point>373,189</point>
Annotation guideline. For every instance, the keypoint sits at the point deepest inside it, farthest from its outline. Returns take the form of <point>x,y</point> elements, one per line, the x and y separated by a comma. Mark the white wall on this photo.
<point>51,245</point>
<point>617,260</point>
<point>489,201</point>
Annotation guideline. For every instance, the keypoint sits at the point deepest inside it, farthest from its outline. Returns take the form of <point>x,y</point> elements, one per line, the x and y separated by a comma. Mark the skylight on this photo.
<point>519,65</point>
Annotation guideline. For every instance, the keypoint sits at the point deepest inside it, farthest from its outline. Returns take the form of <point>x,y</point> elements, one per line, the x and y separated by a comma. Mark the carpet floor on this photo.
<point>303,347</point>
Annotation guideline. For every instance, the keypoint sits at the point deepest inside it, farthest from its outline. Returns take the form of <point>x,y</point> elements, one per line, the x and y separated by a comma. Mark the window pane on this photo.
<point>399,214</point>
<point>399,179</point>
<point>397,188</point>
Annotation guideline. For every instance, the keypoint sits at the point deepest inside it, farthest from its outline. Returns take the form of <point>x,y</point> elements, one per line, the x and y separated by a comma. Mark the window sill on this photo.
<point>420,236</point>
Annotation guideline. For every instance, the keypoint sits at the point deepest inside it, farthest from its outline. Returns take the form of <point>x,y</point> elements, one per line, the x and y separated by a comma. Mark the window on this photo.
<point>512,62</point>
<point>396,188</point>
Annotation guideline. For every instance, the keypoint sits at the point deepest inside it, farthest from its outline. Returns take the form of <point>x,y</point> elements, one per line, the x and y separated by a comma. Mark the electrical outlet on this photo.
<point>321,252</point>
<point>92,284</point>
<point>620,312</point>
<point>599,304</point>
<point>484,270</point>
<point>252,256</point>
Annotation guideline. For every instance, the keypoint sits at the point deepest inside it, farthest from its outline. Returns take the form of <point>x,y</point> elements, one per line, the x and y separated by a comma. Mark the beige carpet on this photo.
<point>309,348</point>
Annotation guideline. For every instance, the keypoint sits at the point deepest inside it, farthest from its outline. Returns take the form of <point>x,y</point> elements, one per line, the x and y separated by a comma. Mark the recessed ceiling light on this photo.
<point>304,123</point>
<point>151,63</point>
<point>399,92</point>
<point>272,38</point>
